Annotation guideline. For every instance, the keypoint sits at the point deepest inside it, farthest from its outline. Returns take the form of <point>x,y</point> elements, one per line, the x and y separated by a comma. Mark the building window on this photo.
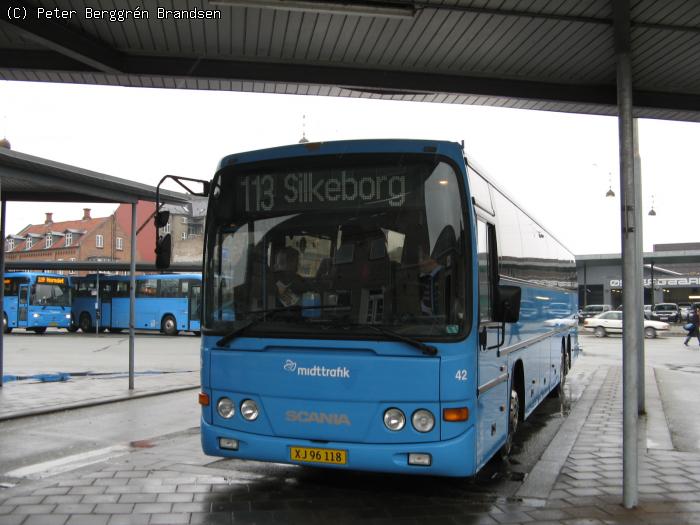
<point>166,228</point>
<point>120,243</point>
<point>30,241</point>
<point>49,240</point>
<point>10,245</point>
<point>183,236</point>
<point>69,238</point>
<point>184,220</point>
<point>99,241</point>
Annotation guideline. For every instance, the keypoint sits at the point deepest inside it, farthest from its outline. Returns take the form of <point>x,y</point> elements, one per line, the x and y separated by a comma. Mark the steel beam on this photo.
<point>60,38</point>
<point>358,79</point>
<point>88,266</point>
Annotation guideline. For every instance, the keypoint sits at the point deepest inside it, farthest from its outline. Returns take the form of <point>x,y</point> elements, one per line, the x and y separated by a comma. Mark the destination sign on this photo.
<point>50,280</point>
<point>301,190</point>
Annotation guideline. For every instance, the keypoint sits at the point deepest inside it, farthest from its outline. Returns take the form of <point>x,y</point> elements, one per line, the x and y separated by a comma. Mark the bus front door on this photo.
<point>195,301</point>
<point>106,306</point>
<point>23,305</point>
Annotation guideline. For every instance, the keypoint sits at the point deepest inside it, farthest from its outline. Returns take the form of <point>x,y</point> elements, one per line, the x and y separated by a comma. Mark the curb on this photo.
<point>94,402</point>
<point>540,482</point>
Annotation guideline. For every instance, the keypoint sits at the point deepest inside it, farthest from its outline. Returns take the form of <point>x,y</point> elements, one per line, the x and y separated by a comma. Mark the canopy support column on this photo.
<point>132,296</point>
<point>631,226</point>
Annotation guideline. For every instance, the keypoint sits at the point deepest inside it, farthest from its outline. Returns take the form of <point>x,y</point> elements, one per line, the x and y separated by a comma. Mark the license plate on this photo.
<point>318,455</point>
<point>53,323</point>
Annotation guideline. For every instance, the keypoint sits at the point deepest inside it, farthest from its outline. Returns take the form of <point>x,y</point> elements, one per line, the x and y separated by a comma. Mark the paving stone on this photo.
<point>67,498</point>
<point>130,519</point>
<point>212,518</point>
<point>46,519</point>
<point>13,519</point>
<point>33,509</point>
<point>86,519</point>
<point>75,508</point>
<point>170,519</point>
<point>114,508</point>
<point>100,498</point>
<point>152,508</point>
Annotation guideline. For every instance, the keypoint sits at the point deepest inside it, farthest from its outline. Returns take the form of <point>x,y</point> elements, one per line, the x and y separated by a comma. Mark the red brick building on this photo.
<point>87,239</point>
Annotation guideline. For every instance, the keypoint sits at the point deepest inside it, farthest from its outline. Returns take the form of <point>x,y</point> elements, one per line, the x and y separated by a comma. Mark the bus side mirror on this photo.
<point>164,248</point>
<point>507,304</point>
<point>162,218</point>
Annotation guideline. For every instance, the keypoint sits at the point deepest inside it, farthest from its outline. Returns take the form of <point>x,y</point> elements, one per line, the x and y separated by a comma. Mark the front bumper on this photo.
<point>454,457</point>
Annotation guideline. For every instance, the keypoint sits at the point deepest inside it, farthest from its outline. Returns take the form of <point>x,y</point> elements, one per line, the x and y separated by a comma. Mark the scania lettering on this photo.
<point>317,417</point>
<point>376,305</point>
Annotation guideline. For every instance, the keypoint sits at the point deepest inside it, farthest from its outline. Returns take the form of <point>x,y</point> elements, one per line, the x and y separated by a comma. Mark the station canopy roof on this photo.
<point>533,54</point>
<point>27,178</point>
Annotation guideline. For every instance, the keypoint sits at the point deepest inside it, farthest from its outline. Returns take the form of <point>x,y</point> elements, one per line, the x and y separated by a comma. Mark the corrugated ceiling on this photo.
<point>555,55</point>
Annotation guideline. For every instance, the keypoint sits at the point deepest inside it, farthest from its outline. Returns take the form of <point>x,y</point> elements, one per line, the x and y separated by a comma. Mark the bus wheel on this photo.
<point>169,326</point>
<point>39,329</point>
<point>513,421</point>
<point>85,322</point>
<point>6,329</point>
<point>115,330</point>
<point>72,327</point>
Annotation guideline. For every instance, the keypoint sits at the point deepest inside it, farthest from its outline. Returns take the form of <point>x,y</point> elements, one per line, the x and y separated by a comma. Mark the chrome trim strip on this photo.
<point>494,382</point>
<point>525,344</point>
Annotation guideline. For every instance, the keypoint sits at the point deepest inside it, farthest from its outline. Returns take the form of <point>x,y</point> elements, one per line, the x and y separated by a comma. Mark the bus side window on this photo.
<point>485,272</point>
<point>168,288</point>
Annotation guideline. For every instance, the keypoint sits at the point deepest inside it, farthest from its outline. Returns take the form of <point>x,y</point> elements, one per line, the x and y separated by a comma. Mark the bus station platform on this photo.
<point>577,480</point>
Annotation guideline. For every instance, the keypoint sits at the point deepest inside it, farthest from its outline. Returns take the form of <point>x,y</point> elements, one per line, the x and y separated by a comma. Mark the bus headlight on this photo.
<point>394,419</point>
<point>36,316</point>
<point>249,410</point>
<point>67,316</point>
<point>423,420</point>
<point>225,408</point>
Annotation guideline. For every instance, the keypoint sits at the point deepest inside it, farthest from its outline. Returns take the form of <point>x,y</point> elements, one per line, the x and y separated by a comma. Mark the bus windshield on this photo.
<point>330,250</point>
<point>46,294</point>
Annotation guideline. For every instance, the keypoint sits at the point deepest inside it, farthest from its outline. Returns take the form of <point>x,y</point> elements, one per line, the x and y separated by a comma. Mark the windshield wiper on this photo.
<point>425,348</point>
<point>262,314</point>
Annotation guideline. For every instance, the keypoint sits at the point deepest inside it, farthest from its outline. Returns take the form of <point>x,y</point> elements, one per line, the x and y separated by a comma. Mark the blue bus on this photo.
<point>36,301</point>
<point>169,303</point>
<point>362,309</point>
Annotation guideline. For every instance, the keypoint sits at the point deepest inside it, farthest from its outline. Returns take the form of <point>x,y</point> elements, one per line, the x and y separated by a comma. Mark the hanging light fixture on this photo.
<point>610,192</point>
<point>652,212</point>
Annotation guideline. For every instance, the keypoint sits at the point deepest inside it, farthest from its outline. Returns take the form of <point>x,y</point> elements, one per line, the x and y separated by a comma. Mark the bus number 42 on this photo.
<point>461,375</point>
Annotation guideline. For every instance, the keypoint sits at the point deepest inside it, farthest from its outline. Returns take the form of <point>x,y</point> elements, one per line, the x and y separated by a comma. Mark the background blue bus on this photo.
<point>363,309</point>
<point>36,301</point>
<point>169,303</point>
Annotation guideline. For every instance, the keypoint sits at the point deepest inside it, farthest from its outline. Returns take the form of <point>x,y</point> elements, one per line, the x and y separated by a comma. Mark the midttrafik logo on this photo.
<point>340,372</point>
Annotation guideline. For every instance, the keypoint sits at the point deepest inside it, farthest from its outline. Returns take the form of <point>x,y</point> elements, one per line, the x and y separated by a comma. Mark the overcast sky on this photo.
<point>558,166</point>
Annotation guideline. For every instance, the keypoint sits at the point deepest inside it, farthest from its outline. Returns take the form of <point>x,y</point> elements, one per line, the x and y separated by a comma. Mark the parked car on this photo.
<point>647,311</point>
<point>665,312</point>
<point>593,309</point>
<point>611,323</point>
<point>570,321</point>
<point>684,309</point>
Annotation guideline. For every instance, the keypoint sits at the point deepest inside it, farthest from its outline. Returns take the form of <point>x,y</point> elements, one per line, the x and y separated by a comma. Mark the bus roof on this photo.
<point>33,274</point>
<point>313,149</point>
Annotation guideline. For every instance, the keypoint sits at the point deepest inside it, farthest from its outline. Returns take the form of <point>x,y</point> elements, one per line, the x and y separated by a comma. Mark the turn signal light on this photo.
<point>455,414</point>
<point>204,399</point>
